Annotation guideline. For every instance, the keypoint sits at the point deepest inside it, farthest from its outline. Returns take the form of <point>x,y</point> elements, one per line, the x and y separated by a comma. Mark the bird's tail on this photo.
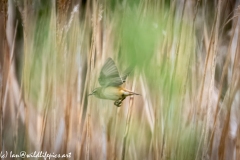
<point>130,92</point>
<point>133,93</point>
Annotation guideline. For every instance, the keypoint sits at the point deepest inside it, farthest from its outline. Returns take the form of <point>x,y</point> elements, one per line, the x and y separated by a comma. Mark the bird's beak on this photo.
<point>90,94</point>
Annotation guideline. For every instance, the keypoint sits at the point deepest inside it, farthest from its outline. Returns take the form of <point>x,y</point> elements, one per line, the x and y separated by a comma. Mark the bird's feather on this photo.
<point>126,73</point>
<point>109,75</point>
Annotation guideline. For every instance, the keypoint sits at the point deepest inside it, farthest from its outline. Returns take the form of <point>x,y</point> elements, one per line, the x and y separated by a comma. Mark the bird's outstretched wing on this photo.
<point>109,75</point>
<point>126,73</point>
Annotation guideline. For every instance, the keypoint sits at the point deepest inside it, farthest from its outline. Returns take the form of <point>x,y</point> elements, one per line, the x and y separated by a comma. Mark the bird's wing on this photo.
<point>126,73</point>
<point>109,75</point>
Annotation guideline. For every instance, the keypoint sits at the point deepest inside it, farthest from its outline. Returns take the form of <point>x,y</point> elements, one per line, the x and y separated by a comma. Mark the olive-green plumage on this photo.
<point>111,81</point>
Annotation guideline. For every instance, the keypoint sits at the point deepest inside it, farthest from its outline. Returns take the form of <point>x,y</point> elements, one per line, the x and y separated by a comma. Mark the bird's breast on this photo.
<point>112,93</point>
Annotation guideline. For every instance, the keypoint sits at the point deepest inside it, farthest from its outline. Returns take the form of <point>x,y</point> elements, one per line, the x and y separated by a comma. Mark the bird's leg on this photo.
<point>123,97</point>
<point>118,103</point>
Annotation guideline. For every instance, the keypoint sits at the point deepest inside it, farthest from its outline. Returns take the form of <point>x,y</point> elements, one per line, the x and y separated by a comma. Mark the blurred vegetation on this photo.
<point>185,66</point>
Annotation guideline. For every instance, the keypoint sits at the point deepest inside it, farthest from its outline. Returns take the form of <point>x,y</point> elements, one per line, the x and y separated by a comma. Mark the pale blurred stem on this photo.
<point>185,86</point>
<point>127,129</point>
<point>67,120</point>
<point>68,107</point>
<point>167,43</point>
<point>188,78</point>
<point>54,39</point>
<point>89,68</point>
<point>234,86</point>
<point>20,101</point>
<point>82,140</point>
<point>129,115</point>
<point>27,30</point>
<point>89,106</point>
<point>115,133</point>
<point>221,150</point>
<point>169,21</point>
<point>237,144</point>
<point>212,41</point>
<point>189,60</point>
<point>10,68</point>
<point>225,130</point>
<point>225,68</point>
<point>45,115</point>
<point>5,51</point>
<point>154,138</point>
<point>88,138</point>
<point>184,90</point>
<point>173,78</point>
<point>43,128</point>
<point>206,63</point>
<point>176,59</point>
<point>82,104</point>
<point>78,152</point>
<point>87,76</point>
<point>170,27</point>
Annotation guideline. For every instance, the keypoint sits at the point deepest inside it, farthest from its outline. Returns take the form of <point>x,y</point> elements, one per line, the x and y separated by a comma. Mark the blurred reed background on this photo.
<point>186,62</point>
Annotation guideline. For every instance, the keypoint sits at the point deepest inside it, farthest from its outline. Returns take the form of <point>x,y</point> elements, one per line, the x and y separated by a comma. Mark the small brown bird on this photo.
<point>111,82</point>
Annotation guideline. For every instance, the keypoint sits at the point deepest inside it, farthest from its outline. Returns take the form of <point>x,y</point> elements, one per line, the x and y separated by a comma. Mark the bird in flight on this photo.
<point>111,81</point>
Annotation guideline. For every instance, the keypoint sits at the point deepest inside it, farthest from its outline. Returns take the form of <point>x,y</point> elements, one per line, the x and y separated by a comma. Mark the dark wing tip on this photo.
<point>126,73</point>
